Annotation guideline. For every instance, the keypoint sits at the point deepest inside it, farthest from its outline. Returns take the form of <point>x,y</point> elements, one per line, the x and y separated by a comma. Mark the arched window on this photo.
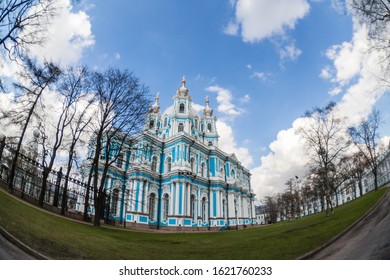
<point>196,123</point>
<point>192,165</point>
<point>210,143</point>
<point>119,160</point>
<point>165,207</point>
<point>204,217</point>
<point>209,128</point>
<point>154,164</point>
<point>203,170</point>
<point>181,108</point>
<point>151,124</point>
<point>192,205</point>
<point>152,206</point>
<point>165,121</point>
<point>233,174</point>
<point>168,166</point>
<point>114,202</point>
<point>181,127</point>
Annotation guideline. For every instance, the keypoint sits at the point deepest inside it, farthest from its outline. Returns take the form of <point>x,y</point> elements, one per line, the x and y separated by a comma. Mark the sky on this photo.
<point>262,63</point>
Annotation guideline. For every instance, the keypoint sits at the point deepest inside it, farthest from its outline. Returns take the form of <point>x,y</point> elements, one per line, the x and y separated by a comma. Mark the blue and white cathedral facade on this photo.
<point>173,175</point>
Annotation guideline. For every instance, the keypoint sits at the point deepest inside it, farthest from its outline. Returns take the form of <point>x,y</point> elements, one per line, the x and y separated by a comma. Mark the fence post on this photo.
<point>2,144</point>
<point>57,191</point>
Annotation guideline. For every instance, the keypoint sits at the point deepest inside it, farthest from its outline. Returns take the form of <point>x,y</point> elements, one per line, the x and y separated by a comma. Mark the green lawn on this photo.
<point>63,239</point>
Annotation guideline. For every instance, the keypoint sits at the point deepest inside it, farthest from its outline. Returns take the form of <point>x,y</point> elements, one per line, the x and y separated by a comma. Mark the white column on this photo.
<point>132,195</point>
<point>173,198</point>
<point>177,198</point>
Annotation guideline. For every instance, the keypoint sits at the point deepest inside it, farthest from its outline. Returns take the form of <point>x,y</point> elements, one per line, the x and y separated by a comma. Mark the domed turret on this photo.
<point>207,111</point>
<point>155,108</point>
<point>183,91</point>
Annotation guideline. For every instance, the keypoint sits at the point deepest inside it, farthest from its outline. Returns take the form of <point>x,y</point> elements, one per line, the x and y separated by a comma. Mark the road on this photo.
<point>369,239</point>
<point>9,251</point>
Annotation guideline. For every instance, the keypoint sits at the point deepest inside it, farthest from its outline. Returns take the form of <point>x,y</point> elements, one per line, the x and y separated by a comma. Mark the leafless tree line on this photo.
<point>340,156</point>
<point>107,107</point>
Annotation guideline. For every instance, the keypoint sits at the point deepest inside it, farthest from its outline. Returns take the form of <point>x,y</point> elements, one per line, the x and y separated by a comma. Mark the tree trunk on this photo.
<point>65,191</point>
<point>46,172</point>
<point>360,187</point>
<point>376,179</point>
<point>86,201</point>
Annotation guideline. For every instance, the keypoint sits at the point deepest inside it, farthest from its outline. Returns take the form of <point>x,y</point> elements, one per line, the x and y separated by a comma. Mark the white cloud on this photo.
<point>263,19</point>
<point>347,57</point>
<point>245,99</point>
<point>326,72</point>
<point>287,158</point>
<point>289,52</point>
<point>231,28</point>
<point>356,73</point>
<point>228,144</point>
<point>67,36</point>
<point>224,99</point>
<point>117,56</point>
<point>197,107</point>
<point>248,66</point>
<point>260,75</point>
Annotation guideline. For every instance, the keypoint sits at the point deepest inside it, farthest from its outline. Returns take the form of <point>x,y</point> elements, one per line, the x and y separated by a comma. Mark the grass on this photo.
<point>58,238</point>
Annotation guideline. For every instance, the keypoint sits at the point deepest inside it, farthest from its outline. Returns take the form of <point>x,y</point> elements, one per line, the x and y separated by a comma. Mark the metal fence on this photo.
<point>28,180</point>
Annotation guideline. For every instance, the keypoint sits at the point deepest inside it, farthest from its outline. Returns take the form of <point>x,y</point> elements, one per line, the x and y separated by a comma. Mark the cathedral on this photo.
<point>173,175</point>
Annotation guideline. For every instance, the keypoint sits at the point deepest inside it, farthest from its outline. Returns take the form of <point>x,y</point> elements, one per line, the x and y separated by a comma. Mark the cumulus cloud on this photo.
<point>347,58</point>
<point>225,101</point>
<point>286,159</point>
<point>354,72</point>
<point>260,75</point>
<point>227,143</point>
<point>67,36</point>
<point>256,20</point>
<point>197,107</point>
<point>231,28</point>
<point>289,52</point>
<point>358,72</point>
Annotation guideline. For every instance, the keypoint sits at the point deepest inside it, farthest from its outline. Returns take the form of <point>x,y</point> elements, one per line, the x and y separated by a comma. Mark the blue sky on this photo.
<point>262,63</point>
<point>162,40</point>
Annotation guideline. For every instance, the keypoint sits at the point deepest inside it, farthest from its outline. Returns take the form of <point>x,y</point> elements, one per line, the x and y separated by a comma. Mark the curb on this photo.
<point>338,236</point>
<point>21,245</point>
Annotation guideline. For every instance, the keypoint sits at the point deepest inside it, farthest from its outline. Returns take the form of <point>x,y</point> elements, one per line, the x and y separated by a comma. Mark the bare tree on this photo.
<point>354,167</point>
<point>122,104</point>
<point>24,22</point>
<point>271,209</point>
<point>376,15</point>
<point>326,141</point>
<point>76,84</point>
<point>366,138</point>
<point>34,80</point>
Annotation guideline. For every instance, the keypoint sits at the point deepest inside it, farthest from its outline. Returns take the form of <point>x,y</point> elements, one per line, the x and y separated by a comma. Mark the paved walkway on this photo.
<point>369,239</point>
<point>9,251</point>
